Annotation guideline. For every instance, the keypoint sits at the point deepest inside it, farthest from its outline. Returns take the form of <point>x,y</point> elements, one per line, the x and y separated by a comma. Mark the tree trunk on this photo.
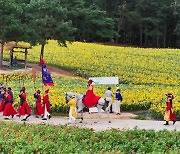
<point>146,36</point>
<point>157,37</point>
<point>42,51</point>
<point>1,54</point>
<point>165,35</point>
<point>141,34</point>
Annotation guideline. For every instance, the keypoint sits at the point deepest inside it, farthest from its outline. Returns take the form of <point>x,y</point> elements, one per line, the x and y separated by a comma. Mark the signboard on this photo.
<point>105,80</point>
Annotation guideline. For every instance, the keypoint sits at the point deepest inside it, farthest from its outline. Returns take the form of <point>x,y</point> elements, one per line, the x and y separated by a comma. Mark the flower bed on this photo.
<point>25,138</point>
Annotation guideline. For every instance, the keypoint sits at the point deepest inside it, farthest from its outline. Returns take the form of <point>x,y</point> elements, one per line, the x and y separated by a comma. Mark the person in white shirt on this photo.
<point>109,95</point>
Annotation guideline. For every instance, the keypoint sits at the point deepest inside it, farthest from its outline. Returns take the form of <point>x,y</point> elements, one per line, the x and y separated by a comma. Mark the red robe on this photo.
<point>9,109</point>
<point>24,107</point>
<point>172,116</point>
<point>2,105</point>
<point>39,108</point>
<point>47,103</point>
<point>90,99</point>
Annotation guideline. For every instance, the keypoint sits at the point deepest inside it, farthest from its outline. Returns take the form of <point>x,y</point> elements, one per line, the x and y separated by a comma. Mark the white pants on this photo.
<point>118,106</point>
<point>109,99</point>
<point>71,118</point>
<point>46,113</point>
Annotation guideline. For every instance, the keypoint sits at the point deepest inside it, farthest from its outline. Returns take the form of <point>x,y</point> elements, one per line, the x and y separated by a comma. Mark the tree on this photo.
<point>91,22</point>
<point>176,6</point>
<point>49,23</point>
<point>12,27</point>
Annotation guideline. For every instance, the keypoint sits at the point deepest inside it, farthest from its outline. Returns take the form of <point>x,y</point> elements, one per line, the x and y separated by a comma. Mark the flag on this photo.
<point>46,76</point>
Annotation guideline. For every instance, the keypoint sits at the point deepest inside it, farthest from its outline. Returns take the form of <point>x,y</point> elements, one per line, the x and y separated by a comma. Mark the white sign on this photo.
<point>105,80</point>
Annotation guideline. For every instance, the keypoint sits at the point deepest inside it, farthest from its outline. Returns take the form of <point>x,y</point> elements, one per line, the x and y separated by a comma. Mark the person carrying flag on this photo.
<point>46,106</point>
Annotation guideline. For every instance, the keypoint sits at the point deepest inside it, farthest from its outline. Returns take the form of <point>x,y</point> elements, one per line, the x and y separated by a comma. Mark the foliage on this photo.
<point>144,77</point>
<point>25,138</point>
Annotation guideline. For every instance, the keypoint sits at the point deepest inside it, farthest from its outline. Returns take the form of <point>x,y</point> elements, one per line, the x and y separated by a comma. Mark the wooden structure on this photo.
<point>16,47</point>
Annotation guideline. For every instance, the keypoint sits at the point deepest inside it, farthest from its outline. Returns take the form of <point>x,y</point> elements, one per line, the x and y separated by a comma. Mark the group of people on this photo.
<point>42,106</point>
<point>109,100</point>
<point>91,100</point>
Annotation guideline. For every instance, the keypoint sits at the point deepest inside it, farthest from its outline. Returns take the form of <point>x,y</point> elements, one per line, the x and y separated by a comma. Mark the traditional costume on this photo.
<point>4,95</point>
<point>72,111</point>
<point>39,108</point>
<point>90,99</point>
<point>24,108</point>
<point>169,115</point>
<point>46,106</point>
<point>9,109</point>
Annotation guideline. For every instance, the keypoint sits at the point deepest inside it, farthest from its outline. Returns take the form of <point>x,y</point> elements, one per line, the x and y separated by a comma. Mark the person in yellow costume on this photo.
<point>73,110</point>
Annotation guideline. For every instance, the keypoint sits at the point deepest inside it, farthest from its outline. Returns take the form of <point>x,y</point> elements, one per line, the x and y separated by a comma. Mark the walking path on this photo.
<point>55,71</point>
<point>124,121</point>
<point>121,122</point>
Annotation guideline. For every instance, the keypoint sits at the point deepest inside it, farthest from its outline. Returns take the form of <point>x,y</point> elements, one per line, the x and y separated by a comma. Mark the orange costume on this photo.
<point>90,99</point>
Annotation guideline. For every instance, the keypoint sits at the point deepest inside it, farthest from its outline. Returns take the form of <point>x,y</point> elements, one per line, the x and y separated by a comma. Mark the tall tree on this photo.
<point>12,28</point>
<point>48,19</point>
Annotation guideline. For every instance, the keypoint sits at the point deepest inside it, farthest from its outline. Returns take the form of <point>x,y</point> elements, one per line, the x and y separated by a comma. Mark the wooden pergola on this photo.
<point>16,47</point>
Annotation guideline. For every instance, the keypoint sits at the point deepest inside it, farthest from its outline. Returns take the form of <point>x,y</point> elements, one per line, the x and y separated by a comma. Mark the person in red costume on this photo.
<point>169,115</point>
<point>9,109</point>
<point>24,109</point>
<point>46,106</point>
<point>39,108</point>
<point>90,99</point>
<point>4,95</point>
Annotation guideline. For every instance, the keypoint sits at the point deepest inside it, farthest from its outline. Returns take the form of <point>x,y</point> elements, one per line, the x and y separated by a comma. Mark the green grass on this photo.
<point>28,138</point>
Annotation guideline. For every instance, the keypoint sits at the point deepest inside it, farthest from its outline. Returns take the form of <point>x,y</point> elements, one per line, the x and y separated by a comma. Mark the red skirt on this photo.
<point>2,105</point>
<point>24,109</point>
<point>172,116</point>
<point>90,99</point>
<point>39,109</point>
<point>9,110</point>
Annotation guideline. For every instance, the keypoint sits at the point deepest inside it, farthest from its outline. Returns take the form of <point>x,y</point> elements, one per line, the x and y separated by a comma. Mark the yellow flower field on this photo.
<point>145,74</point>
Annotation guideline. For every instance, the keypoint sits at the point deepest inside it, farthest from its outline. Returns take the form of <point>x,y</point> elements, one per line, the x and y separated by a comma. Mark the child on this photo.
<point>118,101</point>
<point>72,111</point>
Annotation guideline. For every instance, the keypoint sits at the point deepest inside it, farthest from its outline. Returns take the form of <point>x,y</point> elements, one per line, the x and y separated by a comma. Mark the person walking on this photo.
<point>9,109</point>
<point>46,106</point>
<point>169,115</point>
<point>118,101</point>
<point>73,110</point>
<point>38,108</point>
<point>4,95</point>
<point>24,109</point>
<point>109,95</point>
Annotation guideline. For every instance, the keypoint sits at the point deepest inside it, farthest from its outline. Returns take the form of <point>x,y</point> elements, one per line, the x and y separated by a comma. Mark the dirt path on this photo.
<point>55,71</point>
<point>122,122</point>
